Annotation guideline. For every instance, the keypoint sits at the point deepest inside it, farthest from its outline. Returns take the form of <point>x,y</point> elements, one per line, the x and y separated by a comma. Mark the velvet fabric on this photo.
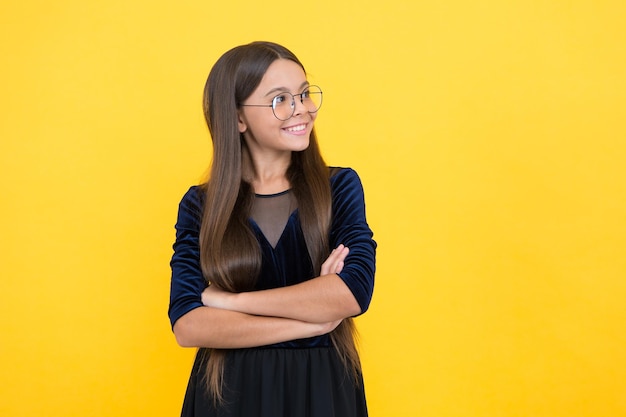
<point>288,263</point>
<point>297,378</point>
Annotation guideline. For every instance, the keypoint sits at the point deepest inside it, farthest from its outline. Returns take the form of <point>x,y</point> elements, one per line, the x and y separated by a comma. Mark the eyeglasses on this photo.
<point>284,105</point>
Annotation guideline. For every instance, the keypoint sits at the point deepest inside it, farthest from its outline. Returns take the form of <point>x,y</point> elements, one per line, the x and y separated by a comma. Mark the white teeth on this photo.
<point>298,128</point>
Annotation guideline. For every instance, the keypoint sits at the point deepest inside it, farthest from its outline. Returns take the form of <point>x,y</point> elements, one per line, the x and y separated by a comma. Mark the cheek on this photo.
<point>262,128</point>
<point>252,122</point>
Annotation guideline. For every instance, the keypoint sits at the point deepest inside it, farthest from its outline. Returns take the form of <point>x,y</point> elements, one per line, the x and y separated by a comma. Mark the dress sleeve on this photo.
<point>350,228</point>
<point>187,279</point>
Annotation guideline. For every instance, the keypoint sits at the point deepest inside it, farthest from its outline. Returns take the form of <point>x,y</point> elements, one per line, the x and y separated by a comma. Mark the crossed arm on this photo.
<point>258,318</point>
<point>223,320</point>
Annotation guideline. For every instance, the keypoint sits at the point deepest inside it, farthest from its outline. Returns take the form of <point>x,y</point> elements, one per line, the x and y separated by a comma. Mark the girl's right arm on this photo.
<point>217,328</point>
<point>196,325</point>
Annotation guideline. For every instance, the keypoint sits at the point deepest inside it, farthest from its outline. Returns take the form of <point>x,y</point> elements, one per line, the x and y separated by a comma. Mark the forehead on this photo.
<point>282,73</point>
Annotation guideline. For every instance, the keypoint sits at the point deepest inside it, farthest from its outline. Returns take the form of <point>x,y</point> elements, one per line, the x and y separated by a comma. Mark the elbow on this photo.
<point>361,304</point>
<point>359,285</point>
<point>364,303</point>
<point>351,307</point>
<point>182,341</point>
<point>362,310</point>
<point>356,309</point>
<point>354,300</point>
<point>356,303</point>
<point>183,334</point>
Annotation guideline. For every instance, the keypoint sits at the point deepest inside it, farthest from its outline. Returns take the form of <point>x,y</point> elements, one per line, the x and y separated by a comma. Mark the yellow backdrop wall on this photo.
<point>490,139</point>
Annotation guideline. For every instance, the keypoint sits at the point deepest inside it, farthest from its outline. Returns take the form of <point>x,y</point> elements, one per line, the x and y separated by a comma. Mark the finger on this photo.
<point>332,267</point>
<point>334,262</point>
<point>328,266</point>
<point>340,254</point>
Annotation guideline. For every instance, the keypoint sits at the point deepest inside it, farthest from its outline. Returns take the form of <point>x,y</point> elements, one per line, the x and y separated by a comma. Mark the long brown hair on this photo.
<point>230,256</point>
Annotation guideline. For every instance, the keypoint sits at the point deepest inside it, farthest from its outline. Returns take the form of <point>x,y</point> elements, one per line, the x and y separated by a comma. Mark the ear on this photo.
<point>243,126</point>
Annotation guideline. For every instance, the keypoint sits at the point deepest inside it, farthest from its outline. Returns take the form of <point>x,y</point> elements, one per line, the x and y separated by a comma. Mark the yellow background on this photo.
<point>489,135</point>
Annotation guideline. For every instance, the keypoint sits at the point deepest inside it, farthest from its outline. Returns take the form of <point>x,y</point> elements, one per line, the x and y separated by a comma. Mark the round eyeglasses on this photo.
<point>284,105</point>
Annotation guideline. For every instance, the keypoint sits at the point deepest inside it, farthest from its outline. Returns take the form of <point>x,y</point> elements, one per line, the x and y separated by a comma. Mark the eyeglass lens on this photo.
<point>284,105</point>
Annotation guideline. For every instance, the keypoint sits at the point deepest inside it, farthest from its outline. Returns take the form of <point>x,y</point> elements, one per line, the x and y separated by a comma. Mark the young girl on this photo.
<point>255,284</point>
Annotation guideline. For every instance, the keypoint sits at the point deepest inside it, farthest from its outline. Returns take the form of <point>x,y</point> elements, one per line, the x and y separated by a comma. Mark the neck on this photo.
<point>267,173</point>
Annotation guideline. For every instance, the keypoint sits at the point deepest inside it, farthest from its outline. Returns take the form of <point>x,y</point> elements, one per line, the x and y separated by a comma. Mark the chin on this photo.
<point>301,146</point>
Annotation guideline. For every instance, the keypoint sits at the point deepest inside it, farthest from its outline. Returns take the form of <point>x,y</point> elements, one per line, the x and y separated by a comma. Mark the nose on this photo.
<point>298,107</point>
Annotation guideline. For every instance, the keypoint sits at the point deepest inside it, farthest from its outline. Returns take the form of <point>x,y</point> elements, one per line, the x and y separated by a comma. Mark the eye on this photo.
<point>281,99</point>
<point>305,94</point>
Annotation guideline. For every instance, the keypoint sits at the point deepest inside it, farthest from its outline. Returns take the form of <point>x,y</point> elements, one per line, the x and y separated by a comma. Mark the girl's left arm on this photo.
<point>345,286</point>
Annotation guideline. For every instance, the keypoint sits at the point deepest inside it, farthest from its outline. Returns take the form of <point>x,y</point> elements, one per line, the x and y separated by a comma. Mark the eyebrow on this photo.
<point>277,89</point>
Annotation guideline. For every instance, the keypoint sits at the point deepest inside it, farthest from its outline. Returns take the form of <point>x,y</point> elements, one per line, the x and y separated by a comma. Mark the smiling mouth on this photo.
<point>297,128</point>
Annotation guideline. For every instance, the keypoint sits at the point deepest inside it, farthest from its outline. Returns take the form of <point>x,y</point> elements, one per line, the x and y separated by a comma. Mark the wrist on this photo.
<point>230,301</point>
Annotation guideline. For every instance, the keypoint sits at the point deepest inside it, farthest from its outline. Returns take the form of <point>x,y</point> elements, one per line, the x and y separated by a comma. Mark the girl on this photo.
<point>255,285</point>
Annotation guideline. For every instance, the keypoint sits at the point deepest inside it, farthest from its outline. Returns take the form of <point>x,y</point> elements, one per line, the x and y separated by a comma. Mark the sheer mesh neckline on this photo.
<point>273,195</point>
<point>271,213</point>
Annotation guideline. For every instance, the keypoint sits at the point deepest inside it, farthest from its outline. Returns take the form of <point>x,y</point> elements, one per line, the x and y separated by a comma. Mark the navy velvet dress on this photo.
<point>294,378</point>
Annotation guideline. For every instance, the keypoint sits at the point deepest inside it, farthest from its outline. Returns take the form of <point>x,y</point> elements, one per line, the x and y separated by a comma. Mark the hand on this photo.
<point>212,296</point>
<point>334,263</point>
